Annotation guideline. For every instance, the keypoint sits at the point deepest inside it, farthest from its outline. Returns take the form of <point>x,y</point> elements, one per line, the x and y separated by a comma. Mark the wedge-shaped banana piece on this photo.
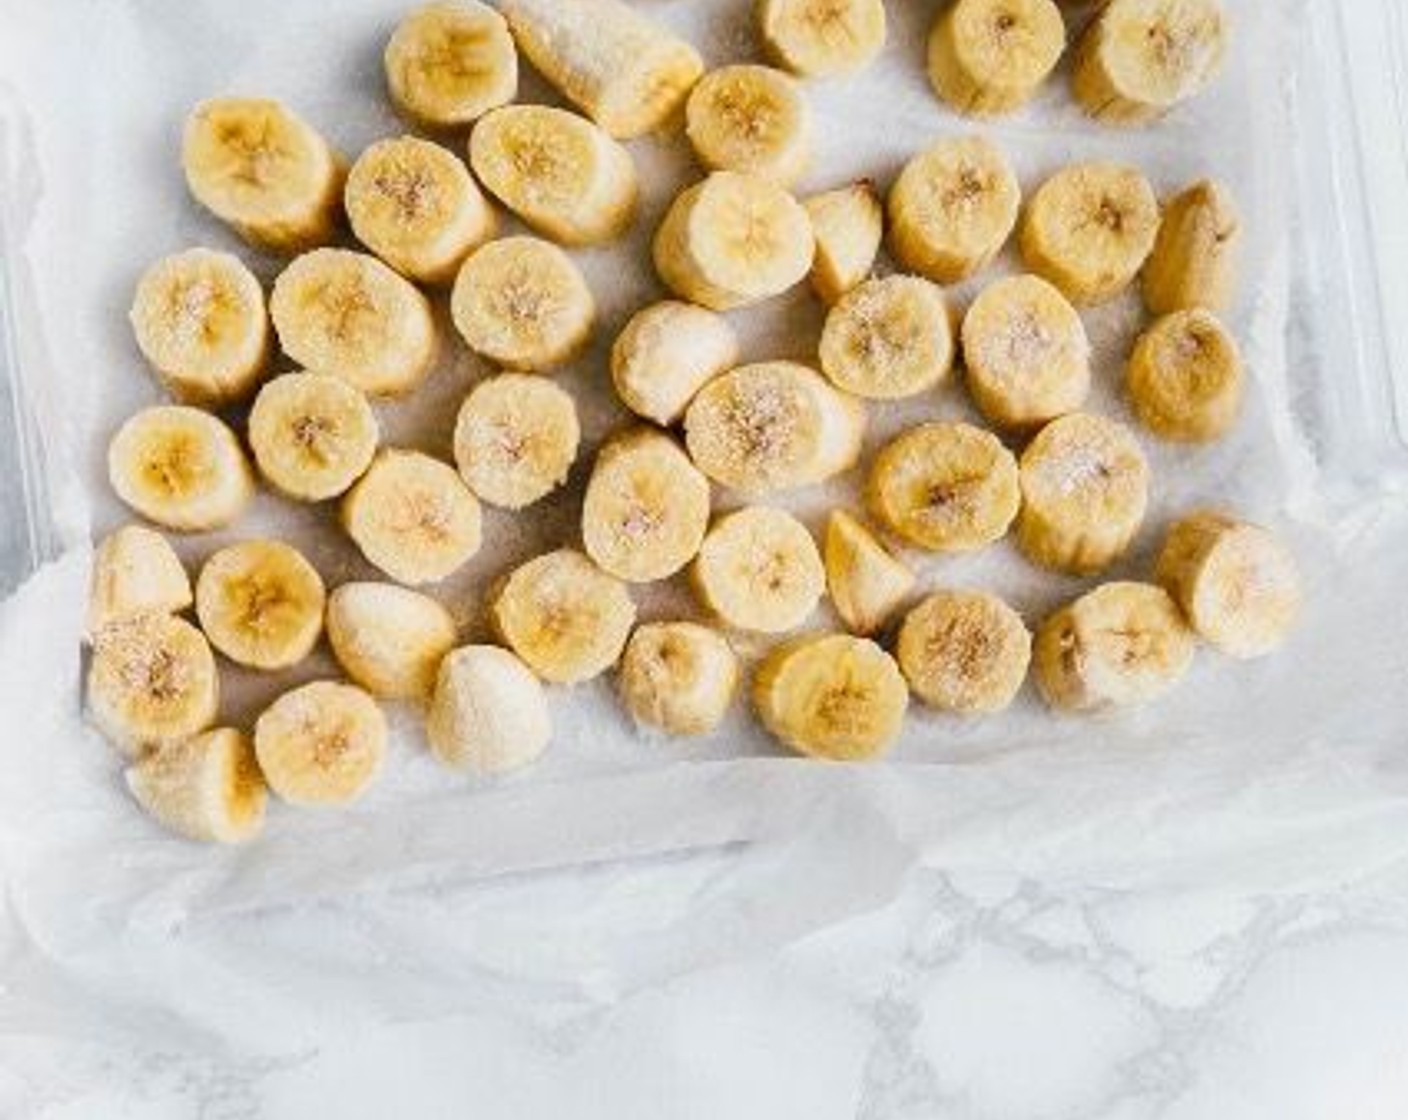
<point>946,487</point>
<point>181,468</point>
<point>867,584</point>
<point>521,302</point>
<point>261,604</point>
<point>733,240</point>
<point>516,438</point>
<point>847,224</point>
<point>312,434</point>
<point>759,570</point>
<point>833,697</point>
<point>207,787</point>
<point>557,171</point>
<point>888,338</point>
<point>989,56</point>
<point>646,508</point>
<point>489,712</point>
<point>772,426</point>
<point>1194,262</point>
<point>1185,377</point>
<point>1236,584</point>
<point>1085,487</point>
<point>964,651</point>
<point>389,639</point>
<point>321,744</point>
<point>563,615</point>
<point>666,353</point>
<point>750,118</point>
<point>135,571</point>
<point>817,38</point>
<point>623,70</point>
<point>678,677</point>
<point>1122,644</point>
<point>448,63</point>
<point>259,166</point>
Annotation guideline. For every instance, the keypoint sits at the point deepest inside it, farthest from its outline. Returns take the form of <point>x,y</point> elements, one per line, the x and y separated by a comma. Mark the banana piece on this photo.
<point>1025,353</point>
<point>1089,229</point>
<point>1122,644</point>
<point>847,224</point>
<point>988,57</point>
<point>819,38</point>
<point>666,353</point>
<point>207,787</point>
<point>135,571</point>
<point>261,604</point>
<point>759,570</point>
<point>565,617</point>
<point>1085,487</point>
<point>312,434</point>
<point>564,176</point>
<point>181,468</point>
<point>945,487</point>
<point>522,303</point>
<point>515,439</point>
<point>257,165</point>
<point>1185,377</point>
<point>489,712</point>
<point>624,71</point>
<point>646,507</point>
<point>888,338</point>
<point>733,240</point>
<point>388,639</point>
<point>321,744</point>
<point>1194,261</point>
<point>449,63</point>
<point>1236,584</point>
<point>752,119</point>
<point>833,697</point>
<point>678,677</point>
<point>964,651</point>
<point>866,583</point>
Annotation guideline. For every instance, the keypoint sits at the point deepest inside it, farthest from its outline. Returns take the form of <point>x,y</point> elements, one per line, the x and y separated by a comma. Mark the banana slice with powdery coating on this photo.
<point>449,63</point>
<point>866,583</point>
<point>678,677</point>
<point>759,570</point>
<point>135,571</point>
<point>321,744</point>
<point>207,787</point>
<point>666,353</point>
<point>388,639</point>
<point>489,712</point>
<point>516,438</point>
<point>989,56</point>
<point>964,651</point>
<point>848,224</point>
<point>313,435</point>
<point>816,38</point>
<point>888,338</point>
<point>1194,262</point>
<point>752,119</point>
<point>1185,377</point>
<point>261,604</point>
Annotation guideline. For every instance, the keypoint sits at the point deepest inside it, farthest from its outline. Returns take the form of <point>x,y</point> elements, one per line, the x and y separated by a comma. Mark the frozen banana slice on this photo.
<point>988,57</point>
<point>759,570</point>
<point>667,353</point>
<point>1194,262</point>
<point>389,639</point>
<point>847,224</point>
<point>866,583</point>
<point>313,435</point>
<point>964,651</point>
<point>818,38</point>
<point>321,744</point>
<point>888,338</point>
<point>1185,378</point>
<point>135,571</point>
<point>516,438</point>
<point>752,119</point>
<point>489,712</point>
<point>207,787</point>
<point>449,63</point>
<point>261,604</point>
<point>678,677</point>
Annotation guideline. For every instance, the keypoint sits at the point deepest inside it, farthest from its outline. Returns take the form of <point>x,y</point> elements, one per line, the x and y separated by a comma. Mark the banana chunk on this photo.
<point>1085,487</point>
<point>1185,378</point>
<point>759,570</point>
<point>516,438</point>
<point>833,697</point>
<point>135,571</point>
<point>313,435</point>
<point>181,468</point>
<point>965,652</point>
<point>888,338</point>
<point>564,176</point>
<point>646,508</point>
<point>207,787</point>
<point>866,583</point>
<point>847,224</point>
<point>321,744</point>
<point>988,57</point>
<point>819,38</point>
<point>489,712</point>
<point>666,353</point>
<point>261,604</point>
<point>678,677</point>
<point>752,119</point>
<point>1194,261</point>
<point>449,63</point>
<point>388,639</point>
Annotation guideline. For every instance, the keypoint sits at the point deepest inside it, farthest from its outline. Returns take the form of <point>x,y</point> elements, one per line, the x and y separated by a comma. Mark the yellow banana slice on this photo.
<point>759,570</point>
<point>847,224</point>
<point>261,604</point>
<point>818,38</point>
<point>516,438</point>
<point>887,339</point>
<point>312,434</point>
<point>752,119</point>
<point>988,57</point>
<point>666,353</point>
<point>678,677</point>
<point>1185,378</point>
<point>866,583</point>
<point>489,712</point>
<point>448,63</point>
<point>321,744</point>
<point>135,571</point>
<point>1194,261</point>
<point>207,787</point>
<point>389,639</point>
<point>964,651</point>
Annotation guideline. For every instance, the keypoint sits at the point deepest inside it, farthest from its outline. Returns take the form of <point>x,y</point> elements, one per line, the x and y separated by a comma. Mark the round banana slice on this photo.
<point>207,787</point>
<point>818,38</point>
<point>389,639</point>
<point>413,517</point>
<point>522,303</point>
<point>1089,229</point>
<point>489,712</point>
<point>516,438</point>
<point>321,744</point>
<point>563,615</point>
<point>667,353</point>
<point>759,570</point>
<point>261,604</point>
<point>448,63</point>
<point>945,487</point>
<point>181,468</point>
<point>964,651</point>
<point>989,56</point>
<point>1194,262</point>
<point>646,508</point>
<point>887,339</point>
<point>752,119</point>
<point>678,677</point>
<point>866,583</point>
<point>847,225</point>
<point>346,313</point>
<point>313,435</point>
<point>1085,486</point>
<point>1185,378</point>
<point>833,697</point>
<point>135,571</point>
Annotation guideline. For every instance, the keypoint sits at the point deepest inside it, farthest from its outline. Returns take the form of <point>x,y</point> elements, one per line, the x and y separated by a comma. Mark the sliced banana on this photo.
<point>1194,261</point>
<point>752,119</point>
<point>135,571</point>
<point>888,338</point>
<point>866,583</point>
<point>388,639</point>
<point>449,63</point>
<point>321,744</point>
<point>666,353</point>
<point>847,224</point>
<point>207,787</point>
<point>313,435</point>
<point>678,677</point>
<point>261,604</point>
<point>489,713</point>
<point>1185,377</point>
<point>817,38</point>
<point>759,570</point>
<point>964,651</point>
<point>989,56</point>
<point>516,438</point>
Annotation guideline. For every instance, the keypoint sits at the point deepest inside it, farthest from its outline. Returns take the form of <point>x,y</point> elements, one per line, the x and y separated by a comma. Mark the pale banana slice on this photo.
<point>1085,487</point>
<point>759,570</point>
<point>489,712</point>
<point>564,176</point>
<point>988,57</point>
<point>964,651</point>
<point>565,617</point>
<point>867,584</point>
<point>388,639</point>
<point>261,604</point>
<point>448,63</point>
<point>181,468</point>
<point>1185,377</point>
<point>733,240</point>
<point>321,744</point>
<point>945,487</point>
<point>888,338</point>
<point>847,224</point>
<point>1236,584</point>
<point>752,119</point>
<point>346,313</point>
<point>818,38</point>
<point>1194,262</point>
<point>135,571</point>
<point>678,677</point>
<point>313,435</point>
<point>207,787</point>
<point>833,697</point>
<point>516,438</point>
<point>666,353</point>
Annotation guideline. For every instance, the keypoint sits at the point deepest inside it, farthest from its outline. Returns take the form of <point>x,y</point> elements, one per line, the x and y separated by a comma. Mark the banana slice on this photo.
<point>261,604</point>
<point>563,615</point>
<point>945,487</point>
<point>988,57</point>
<point>1185,377</point>
<point>348,314</point>
<point>1194,262</point>
<point>135,571</point>
<point>866,583</point>
<point>1089,229</point>
<point>624,71</point>
<point>752,119</point>
<point>847,225</point>
<point>259,166</point>
<point>1122,644</point>
<point>1025,353</point>
<point>515,439</point>
<point>449,63</point>
<point>522,303</point>
<point>887,339</point>
<point>678,677</point>
<point>207,787</point>
<point>389,639</point>
<point>415,206</point>
<point>817,38</point>
<point>313,435</point>
<point>667,353</point>
<point>759,570</point>
<point>964,651</point>
<point>181,468</point>
<point>200,320</point>
<point>1142,57</point>
<point>1236,584</point>
<point>733,240</point>
<point>321,744</point>
<point>489,713</point>
<point>646,508</point>
<point>1085,486</point>
<point>832,697</point>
